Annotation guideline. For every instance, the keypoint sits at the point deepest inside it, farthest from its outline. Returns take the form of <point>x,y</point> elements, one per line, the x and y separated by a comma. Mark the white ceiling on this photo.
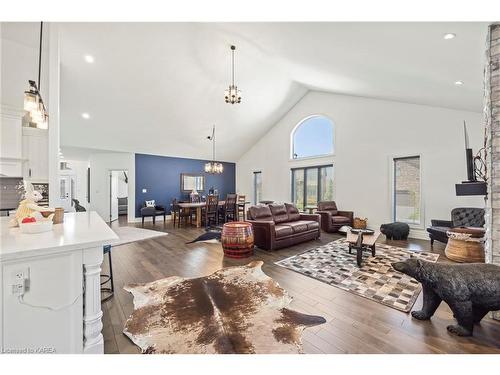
<point>158,87</point>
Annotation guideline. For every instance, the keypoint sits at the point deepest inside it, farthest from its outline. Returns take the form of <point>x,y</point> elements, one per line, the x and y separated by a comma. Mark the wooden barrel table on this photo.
<point>465,245</point>
<point>237,239</point>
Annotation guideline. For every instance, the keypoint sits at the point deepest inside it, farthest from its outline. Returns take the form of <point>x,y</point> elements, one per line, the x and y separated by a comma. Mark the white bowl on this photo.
<point>36,227</point>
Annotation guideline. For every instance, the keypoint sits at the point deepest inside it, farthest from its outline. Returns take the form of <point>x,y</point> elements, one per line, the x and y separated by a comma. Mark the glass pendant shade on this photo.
<point>214,167</point>
<point>45,123</point>
<point>36,116</point>
<point>30,101</point>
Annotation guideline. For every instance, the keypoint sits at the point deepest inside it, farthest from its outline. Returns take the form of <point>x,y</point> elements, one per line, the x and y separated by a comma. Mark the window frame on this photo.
<point>392,192</point>
<point>255,173</point>
<point>298,125</point>
<point>304,169</point>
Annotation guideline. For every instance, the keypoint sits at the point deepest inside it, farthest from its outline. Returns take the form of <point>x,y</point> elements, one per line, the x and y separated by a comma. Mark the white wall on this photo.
<point>100,166</point>
<point>368,134</point>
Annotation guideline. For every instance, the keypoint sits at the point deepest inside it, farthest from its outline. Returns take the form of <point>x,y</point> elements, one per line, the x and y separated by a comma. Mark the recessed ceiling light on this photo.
<point>89,58</point>
<point>86,116</point>
<point>459,83</point>
<point>449,36</point>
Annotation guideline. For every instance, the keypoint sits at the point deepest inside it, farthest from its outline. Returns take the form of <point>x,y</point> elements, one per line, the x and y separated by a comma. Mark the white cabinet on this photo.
<point>24,152</point>
<point>35,154</point>
<point>10,143</point>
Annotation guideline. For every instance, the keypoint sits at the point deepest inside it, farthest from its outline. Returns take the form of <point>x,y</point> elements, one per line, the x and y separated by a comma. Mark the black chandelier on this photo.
<point>33,102</point>
<point>213,167</point>
<point>232,94</point>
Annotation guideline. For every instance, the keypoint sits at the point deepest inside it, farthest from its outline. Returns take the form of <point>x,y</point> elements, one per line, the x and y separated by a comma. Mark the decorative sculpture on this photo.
<point>471,290</point>
<point>395,231</point>
<point>29,208</point>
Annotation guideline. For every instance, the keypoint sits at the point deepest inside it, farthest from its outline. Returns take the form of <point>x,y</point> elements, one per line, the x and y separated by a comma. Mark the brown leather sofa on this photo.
<point>281,225</point>
<point>331,218</point>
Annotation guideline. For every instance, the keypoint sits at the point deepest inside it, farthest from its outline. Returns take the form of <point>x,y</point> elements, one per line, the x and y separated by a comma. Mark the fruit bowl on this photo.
<point>36,227</point>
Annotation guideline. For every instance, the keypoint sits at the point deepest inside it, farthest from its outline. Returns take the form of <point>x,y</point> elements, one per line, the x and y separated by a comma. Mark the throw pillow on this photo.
<point>150,203</point>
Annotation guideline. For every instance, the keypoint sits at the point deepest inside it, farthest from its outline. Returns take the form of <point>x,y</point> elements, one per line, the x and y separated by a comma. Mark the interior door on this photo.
<point>65,192</point>
<point>113,195</point>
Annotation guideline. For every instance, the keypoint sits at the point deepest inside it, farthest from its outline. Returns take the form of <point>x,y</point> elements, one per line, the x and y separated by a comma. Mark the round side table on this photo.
<point>237,239</point>
<point>465,245</point>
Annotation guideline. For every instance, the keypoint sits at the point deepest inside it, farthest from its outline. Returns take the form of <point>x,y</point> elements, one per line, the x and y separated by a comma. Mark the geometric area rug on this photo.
<point>237,310</point>
<point>375,279</point>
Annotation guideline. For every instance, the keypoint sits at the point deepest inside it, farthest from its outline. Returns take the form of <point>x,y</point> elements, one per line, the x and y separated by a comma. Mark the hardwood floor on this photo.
<point>354,324</point>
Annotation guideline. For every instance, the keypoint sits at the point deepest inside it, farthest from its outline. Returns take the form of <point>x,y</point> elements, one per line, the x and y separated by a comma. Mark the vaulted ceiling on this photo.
<point>158,87</point>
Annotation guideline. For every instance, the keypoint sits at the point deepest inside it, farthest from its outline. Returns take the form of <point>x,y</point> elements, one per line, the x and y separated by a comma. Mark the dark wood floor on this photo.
<point>354,324</point>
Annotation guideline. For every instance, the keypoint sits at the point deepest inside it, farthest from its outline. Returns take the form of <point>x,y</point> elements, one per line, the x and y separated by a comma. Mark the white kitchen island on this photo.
<point>60,309</point>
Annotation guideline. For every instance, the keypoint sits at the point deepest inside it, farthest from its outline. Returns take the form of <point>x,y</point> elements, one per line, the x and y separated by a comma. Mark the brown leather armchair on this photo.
<point>281,225</point>
<point>331,218</point>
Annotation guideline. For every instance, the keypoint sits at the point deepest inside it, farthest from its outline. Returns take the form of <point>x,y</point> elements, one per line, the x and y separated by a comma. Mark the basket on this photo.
<point>360,223</point>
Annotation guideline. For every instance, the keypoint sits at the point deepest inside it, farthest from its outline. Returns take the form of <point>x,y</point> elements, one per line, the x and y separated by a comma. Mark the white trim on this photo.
<point>419,234</point>
<point>294,129</point>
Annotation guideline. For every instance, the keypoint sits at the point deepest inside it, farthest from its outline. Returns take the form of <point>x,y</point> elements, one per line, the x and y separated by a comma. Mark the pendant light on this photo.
<point>33,102</point>
<point>232,94</point>
<point>213,167</point>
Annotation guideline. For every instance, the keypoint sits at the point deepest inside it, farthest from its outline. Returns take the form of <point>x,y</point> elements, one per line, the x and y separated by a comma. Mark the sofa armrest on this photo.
<point>349,214</point>
<point>311,217</point>
<point>264,233</point>
<point>441,223</point>
<point>326,220</point>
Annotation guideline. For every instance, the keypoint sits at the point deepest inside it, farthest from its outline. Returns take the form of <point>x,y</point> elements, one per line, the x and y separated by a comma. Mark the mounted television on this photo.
<point>471,186</point>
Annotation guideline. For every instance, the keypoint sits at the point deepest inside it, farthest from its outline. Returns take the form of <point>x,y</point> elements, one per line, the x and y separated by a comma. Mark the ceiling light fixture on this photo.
<point>86,116</point>
<point>213,167</point>
<point>33,102</point>
<point>449,36</point>
<point>89,58</point>
<point>459,83</point>
<point>232,94</point>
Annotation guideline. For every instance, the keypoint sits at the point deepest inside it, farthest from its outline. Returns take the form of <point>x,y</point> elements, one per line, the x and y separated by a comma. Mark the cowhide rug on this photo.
<point>234,310</point>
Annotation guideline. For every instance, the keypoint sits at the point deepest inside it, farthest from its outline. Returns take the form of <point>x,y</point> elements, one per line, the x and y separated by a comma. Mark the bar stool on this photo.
<point>107,278</point>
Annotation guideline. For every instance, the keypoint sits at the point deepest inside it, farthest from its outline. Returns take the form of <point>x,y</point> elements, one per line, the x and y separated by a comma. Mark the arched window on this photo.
<point>312,137</point>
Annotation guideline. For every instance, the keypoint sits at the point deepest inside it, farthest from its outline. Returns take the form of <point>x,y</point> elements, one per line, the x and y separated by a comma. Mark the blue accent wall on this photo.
<point>161,176</point>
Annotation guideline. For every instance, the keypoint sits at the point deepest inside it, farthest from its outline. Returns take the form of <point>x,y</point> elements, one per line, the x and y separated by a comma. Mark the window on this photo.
<point>312,137</point>
<point>406,192</point>
<point>257,187</point>
<point>311,185</point>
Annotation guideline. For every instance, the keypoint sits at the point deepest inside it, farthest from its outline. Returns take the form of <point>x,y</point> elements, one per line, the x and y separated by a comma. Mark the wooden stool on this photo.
<point>465,245</point>
<point>237,239</point>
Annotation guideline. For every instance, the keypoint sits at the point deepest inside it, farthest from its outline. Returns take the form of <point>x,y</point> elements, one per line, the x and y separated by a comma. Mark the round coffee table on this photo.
<point>237,239</point>
<point>465,245</point>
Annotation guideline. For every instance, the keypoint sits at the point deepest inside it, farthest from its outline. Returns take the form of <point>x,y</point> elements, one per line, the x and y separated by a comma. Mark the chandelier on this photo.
<point>33,102</point>
<point>232,94</point>
<point>213,167</point>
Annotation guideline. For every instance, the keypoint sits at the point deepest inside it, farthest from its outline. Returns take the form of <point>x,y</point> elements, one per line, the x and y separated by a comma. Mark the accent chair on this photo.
<point>331,218</point>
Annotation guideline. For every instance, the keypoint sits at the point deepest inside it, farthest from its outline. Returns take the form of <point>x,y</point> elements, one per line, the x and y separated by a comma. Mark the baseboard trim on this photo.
<point>419,234</point>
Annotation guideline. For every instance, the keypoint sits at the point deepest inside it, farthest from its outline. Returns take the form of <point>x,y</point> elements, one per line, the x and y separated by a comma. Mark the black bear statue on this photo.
<point>395,231</point>
<point>471,290</point>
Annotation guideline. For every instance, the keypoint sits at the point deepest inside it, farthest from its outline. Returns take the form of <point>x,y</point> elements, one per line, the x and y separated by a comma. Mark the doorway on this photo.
<point>67,183</point>
<point>118,195</point>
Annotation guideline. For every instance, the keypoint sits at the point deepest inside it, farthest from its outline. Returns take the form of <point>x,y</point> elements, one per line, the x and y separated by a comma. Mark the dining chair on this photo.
<point>229,209</point>
<point>180,213</point>
<point>212,210</point>
<point>241,206</point>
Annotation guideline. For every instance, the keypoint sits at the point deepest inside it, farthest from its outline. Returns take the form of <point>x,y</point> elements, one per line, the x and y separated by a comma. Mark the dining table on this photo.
<point>199,205</point>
